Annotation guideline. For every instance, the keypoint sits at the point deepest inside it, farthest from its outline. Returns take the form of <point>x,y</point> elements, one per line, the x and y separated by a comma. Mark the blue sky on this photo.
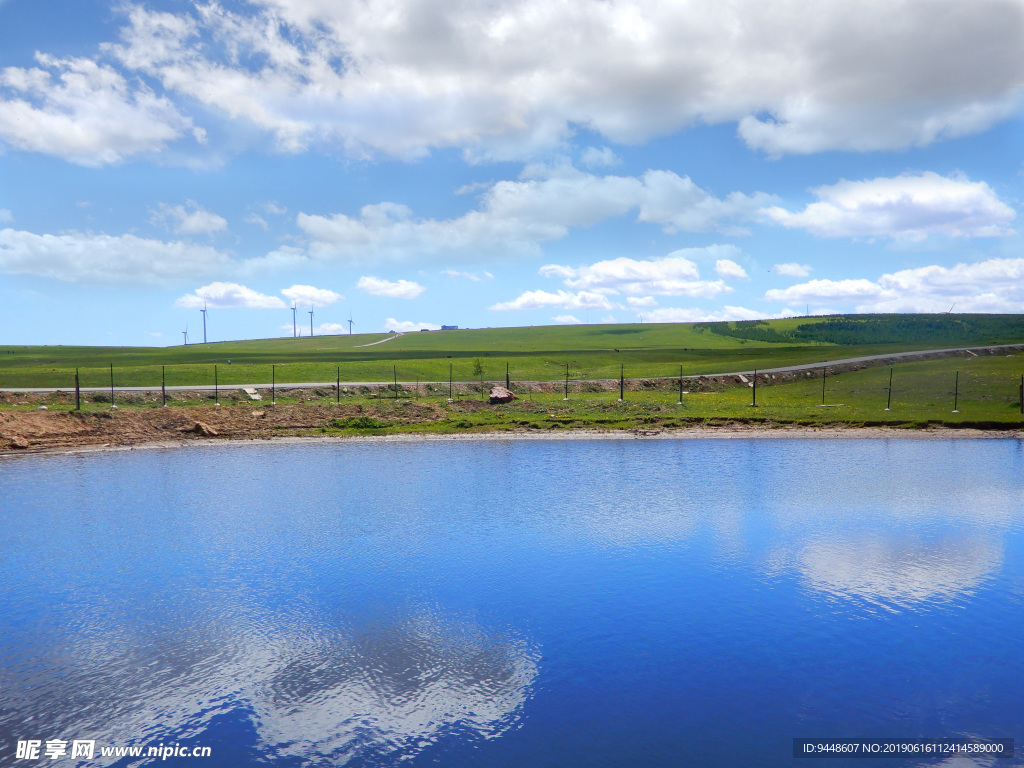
<point>412,163</point>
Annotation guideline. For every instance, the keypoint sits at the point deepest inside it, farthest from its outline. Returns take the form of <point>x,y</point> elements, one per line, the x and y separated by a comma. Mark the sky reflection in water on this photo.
<point>513,603</point>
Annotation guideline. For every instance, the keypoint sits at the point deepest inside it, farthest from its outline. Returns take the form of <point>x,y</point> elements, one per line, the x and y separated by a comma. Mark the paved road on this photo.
<point>893,356</point>
<point>873,358</point>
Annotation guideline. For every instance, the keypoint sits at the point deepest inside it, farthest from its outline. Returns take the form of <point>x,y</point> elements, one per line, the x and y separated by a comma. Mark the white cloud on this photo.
<point>503,79</point>
<point>562,300</point>
<point>407,326</point>
<point>307,294</point>
<point>695,315</point>
<point>826,290</point>
<point>792,269</point>
<point>515,216</point>
<point>228,296</point>
<point>188,219</point>
<point>274,209</point>
<point>679,205</point>
<point>995,285</point>
<point>400,289</point>
<point>328,329</point>
<point>6,217</point>
<point>641,302</point>
<point>259,221</point>
<point>467,275</point>
<point>592,157</point>
<point>84,112</point>
<point>905,207</point>
<point>730,269</point>
<point>105,259</point>
<point>673,275</point>
<point>567,320</point>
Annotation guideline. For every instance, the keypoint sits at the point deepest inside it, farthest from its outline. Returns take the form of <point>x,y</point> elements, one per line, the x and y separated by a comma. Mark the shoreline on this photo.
<point>730,432</point>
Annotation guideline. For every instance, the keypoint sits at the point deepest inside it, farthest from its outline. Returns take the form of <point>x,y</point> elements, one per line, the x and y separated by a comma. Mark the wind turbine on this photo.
<point>310,319</point>
<point>295,328</point>
<point>349,323</point>
<point>203,310</point>
<point>185,334</point>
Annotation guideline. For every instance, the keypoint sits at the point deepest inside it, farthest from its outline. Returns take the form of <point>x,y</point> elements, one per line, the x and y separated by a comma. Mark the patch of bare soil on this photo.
<point>47,430</point>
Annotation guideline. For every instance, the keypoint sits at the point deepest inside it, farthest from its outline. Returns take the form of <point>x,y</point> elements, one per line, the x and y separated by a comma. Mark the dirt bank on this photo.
<point>33,431</point>
<point>41,430</point>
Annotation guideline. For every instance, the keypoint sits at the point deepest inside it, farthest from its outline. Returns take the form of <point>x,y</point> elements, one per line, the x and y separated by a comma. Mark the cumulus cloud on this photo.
<point>673,275</point>
<point>401,289</point>
<point>106,259</point>
<point>228,296</point>
<point>792,269</point>
<point>84,112</point>
<point>826,290</point>
<point>728,268</point>
<point>504,79</point>
<point>188,219</point>
<point>641,302</point>
<point>307,294</point>
<point>219,295</point>
<point>562,300</point>
<point>592,157</point>
<point>328,329</point>
<point>907,207</point>
<point>995,285</point>
<point>696,315</point>
<point>567,320</point>
<point>407,326</point>
<point>515,216</point>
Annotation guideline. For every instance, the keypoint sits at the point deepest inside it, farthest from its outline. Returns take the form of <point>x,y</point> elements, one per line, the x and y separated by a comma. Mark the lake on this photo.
<point>513,602</point>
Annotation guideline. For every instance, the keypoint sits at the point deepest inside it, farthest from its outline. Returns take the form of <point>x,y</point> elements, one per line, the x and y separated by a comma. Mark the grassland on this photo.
<point>591,352</point>
<point>986,391</point>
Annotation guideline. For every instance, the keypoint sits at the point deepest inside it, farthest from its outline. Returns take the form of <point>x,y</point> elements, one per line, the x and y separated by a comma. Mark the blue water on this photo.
<point>526,603</point>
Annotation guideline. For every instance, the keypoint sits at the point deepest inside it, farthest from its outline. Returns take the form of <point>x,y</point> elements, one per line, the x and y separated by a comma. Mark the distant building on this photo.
<point>424,329</point>
<point>449,327</point>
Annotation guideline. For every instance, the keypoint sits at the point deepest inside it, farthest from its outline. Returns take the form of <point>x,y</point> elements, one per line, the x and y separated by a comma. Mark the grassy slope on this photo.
<point>923,393</point>
<point>536,353</point>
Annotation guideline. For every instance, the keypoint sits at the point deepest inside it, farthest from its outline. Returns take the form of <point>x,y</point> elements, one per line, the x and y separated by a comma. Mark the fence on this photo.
<point>889,389</point>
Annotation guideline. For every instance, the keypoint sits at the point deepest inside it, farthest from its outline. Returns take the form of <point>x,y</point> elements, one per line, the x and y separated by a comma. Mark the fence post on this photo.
<point>566,382</point>
<point>216,386</point>
<point>78,393</point>
<point>823,370</point>
<point>450,400</point>
<point>622,382</point>
<point>337,389</point>
<point>163,385</point>
<point>888,400</point>
<point>753,404</point>
<point>394,370</point>
<point>680,386</point>
<point>956,392</point>
<point>112,406</point>
<point>273,384</point>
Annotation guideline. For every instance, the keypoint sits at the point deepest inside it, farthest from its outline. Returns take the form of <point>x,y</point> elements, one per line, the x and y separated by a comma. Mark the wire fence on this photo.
<point>913,387</point>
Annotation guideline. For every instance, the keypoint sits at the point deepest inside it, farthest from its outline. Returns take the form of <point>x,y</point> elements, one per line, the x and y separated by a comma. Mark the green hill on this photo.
<point>531,353</point>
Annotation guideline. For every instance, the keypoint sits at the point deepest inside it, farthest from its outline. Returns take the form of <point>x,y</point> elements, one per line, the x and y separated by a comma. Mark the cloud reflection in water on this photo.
<point>384,688</point>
